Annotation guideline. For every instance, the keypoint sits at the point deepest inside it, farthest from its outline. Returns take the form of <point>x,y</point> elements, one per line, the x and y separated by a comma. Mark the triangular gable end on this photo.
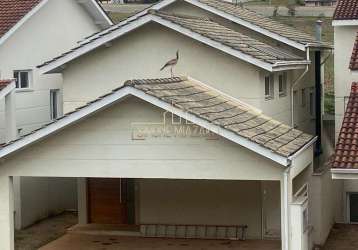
<point>29,8</point>
<point>300,141</point>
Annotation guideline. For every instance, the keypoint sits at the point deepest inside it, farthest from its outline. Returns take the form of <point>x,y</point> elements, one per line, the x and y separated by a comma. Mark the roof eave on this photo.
<point>55,67</point>
<point>249,25</point>
<point>98,14</point>
<point>343,173</point>
<point>345,22</point>
<point>118,95</point>
<point>290,65</point>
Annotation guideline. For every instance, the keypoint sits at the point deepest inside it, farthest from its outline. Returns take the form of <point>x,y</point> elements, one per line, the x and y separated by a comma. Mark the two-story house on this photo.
<point>30,32</point>
<point>345,159</point>
<point>241,81</point>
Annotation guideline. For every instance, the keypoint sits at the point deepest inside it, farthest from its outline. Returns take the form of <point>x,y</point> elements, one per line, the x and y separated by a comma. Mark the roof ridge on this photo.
<point>159,13</point>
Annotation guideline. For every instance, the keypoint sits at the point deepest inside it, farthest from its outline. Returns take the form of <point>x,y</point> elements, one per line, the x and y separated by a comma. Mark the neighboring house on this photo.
<point>272,73</point>
<point>345,159</point>
<point>30,32</point>
<point>159,176</point>
<point>320,3</point>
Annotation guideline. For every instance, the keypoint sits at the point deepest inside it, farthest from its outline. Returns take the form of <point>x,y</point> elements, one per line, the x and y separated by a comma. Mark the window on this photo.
<point>54,101</point>
<point>282,85</point>
<point>303,97</point>
<point>23,78</point>
<point>269,87</point>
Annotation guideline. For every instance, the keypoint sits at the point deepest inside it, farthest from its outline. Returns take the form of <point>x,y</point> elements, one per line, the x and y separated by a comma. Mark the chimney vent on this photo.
<point>318,30</point>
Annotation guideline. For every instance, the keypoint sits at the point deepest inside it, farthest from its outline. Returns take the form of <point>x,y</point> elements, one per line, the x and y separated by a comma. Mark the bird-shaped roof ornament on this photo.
<point>171,63</point>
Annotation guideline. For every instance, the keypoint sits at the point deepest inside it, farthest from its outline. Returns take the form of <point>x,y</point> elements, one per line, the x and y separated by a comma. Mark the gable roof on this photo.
<point>201,29</point>
<point>242,16</point>
<point>199,104</point>
<point>346,152</point>
<point>13,13</point>
<point>353,65</point>
<point>346,10</point>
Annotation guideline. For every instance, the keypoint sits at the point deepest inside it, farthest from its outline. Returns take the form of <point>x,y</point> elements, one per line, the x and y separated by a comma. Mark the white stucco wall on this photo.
<point>55,28</point>
<point>202,203</point>
<point>102,146</point>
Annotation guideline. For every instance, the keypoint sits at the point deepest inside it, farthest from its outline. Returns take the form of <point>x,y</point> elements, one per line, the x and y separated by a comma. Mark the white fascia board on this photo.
<point>344,174</point>
<point>141,21</point>
<point>5,91</point>
<point>306,146</point>
<point>8,34</point>
<point>345,22</point>
<point>147,18</point>
<point>97,13</point>
<point>95,44</point>
<point>157,6</point>
<point>248,25</point>
<point>126,91</point>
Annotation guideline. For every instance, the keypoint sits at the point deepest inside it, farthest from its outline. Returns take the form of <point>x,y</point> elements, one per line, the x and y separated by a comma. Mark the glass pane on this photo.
<point>24,79</point>
<point>353,207</point>
<point>267,86</point>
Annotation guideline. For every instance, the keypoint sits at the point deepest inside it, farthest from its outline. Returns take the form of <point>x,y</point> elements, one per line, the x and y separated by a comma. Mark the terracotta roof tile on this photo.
<point>346,10</point>
<point>4,83</point>
<point>353,65</point>
<point>11,12</point>
<point>346,153</point>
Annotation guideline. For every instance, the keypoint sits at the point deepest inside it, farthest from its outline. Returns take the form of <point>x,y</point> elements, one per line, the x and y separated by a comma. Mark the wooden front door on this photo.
<point>107,201</point>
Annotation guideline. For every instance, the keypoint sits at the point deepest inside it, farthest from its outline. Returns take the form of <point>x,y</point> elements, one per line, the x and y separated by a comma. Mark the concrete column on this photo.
<point>286,199</point>
<point>82,201</point>
<point>6,213</point>
<point>10,117</point>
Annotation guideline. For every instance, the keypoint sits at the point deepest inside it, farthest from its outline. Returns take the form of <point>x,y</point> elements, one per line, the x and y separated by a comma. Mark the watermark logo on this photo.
<point>171,126</point>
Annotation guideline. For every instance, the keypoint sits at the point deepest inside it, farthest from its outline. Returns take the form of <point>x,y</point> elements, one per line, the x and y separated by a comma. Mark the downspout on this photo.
<point>318,92</point>
<point>295,83</point>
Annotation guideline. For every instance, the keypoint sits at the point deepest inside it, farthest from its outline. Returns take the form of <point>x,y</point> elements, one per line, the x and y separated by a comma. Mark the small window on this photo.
<point>269,87</point>
<point>23,79</point>
<point>54,103</point>
<point>311,104</point>
<point>303,97</point>
<point>282,85</point>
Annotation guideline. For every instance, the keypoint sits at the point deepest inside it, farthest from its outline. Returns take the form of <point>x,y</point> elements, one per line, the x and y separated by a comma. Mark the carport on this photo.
<point>108,139</point>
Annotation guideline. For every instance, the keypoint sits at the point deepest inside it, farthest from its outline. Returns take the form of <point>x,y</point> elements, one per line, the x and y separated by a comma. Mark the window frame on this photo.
<point>19,81</point>
<point>54,112</point>
<point>303,97</point>
<point>282,85</point>
<point>271,87</point>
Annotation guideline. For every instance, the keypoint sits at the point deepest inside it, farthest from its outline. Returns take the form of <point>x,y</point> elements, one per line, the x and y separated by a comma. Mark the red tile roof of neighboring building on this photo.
<point>11,12</point>
<point>346,153</point>
<point>4,83</point>
<point>353,65</point>
<point>346,10</point>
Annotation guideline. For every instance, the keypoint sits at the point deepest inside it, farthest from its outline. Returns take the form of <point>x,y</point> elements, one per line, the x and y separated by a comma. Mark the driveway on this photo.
<point>342,237</point>
<point>103,242</point>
